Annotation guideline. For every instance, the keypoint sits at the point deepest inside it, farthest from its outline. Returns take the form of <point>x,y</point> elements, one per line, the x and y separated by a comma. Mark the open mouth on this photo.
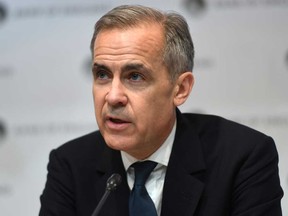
<point>117,124</point>
<point>117,121</point>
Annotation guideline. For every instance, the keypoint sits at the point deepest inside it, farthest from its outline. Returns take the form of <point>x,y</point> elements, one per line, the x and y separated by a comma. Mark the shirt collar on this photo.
<point>161,155</point>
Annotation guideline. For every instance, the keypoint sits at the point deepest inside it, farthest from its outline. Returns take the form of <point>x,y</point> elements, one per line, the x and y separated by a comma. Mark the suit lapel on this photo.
<point>117,203</point>
<point>183,185</point>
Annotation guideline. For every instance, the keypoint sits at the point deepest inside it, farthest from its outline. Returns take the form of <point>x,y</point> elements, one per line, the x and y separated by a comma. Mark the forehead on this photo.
<point>146,38</point>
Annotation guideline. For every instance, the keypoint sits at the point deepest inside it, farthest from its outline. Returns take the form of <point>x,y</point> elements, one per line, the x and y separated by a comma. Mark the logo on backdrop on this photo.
<point>5,190</point>
<point>195,7</point>
<point>87,67</point>
<point>286,59</point>
<point>248,3</point>
<point>3,131</point>
<point>3,12</point>
<point>5,72</point>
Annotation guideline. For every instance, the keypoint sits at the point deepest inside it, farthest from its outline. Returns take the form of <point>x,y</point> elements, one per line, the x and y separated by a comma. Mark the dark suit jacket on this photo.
<point>216,168</point>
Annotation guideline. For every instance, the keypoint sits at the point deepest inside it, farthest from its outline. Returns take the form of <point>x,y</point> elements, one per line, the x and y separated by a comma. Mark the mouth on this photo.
<point>117,120</point>
<point>117,124</point>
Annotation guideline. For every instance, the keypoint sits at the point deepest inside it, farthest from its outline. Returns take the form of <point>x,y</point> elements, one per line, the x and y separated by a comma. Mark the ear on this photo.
<point>183,87</point>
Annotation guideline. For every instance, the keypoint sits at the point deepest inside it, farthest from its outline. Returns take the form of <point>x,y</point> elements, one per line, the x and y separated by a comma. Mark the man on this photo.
<point>206,165</point>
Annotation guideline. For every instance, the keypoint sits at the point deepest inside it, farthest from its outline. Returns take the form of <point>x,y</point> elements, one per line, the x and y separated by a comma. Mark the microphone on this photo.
<point>112,183</point>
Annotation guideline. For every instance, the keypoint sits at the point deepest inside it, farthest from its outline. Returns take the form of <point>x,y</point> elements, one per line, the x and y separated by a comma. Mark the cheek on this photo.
<point>153,110</point>
<point>98,100</point>
<point>98,96</point>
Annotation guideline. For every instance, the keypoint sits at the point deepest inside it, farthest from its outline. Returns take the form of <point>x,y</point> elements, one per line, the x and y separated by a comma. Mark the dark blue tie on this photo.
<point>140,203</point>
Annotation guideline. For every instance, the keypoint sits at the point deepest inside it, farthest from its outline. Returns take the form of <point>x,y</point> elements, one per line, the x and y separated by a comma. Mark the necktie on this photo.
<point>140,203</point>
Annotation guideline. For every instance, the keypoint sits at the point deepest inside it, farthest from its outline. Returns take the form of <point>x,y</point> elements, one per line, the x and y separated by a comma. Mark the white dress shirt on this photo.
<point>155,181</point>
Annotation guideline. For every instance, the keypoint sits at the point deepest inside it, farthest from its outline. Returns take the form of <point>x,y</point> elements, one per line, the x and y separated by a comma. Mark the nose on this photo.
<point>116,95</point>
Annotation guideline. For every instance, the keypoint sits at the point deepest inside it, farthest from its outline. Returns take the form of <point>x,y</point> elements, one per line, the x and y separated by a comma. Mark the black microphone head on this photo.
<point>113,182</point>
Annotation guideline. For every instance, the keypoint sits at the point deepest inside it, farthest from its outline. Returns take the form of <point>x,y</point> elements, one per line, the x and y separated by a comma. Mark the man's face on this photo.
<point>132,90</point>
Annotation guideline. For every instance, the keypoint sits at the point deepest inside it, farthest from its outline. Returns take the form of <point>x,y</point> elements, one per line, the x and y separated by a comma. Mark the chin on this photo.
<point>116,145</point>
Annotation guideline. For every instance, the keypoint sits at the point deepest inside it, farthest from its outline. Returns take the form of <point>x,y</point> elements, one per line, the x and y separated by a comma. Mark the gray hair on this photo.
<point>178,50</point>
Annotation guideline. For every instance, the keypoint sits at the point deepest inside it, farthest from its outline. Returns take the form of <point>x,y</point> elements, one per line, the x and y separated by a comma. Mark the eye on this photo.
<point>136,77</point>
<point>101,75</point>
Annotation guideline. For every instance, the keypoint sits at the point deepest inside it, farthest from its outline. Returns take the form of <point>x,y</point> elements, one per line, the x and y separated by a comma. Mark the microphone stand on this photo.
<point>112,183</point>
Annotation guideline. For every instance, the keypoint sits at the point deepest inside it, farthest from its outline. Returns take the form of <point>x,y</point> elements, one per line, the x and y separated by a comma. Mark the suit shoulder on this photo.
<point>229,140</point>
<point>87,144</point>
<point>221,132</point>
<point>213,123</point>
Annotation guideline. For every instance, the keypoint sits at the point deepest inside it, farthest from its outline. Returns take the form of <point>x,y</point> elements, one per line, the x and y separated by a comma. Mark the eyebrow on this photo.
<point>127,67</point>
<point>99,66</point>
<point>133,66</point>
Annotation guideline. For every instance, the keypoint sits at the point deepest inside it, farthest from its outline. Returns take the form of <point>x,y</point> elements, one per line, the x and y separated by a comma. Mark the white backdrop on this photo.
<point>45,81</point>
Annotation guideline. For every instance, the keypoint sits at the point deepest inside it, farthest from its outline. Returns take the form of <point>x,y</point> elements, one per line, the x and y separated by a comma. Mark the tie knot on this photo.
<point>142,171</point>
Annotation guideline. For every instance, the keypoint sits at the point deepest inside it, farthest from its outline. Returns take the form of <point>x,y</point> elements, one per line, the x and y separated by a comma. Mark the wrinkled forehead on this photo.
<point>131,26</point>
<point>143,30</point>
